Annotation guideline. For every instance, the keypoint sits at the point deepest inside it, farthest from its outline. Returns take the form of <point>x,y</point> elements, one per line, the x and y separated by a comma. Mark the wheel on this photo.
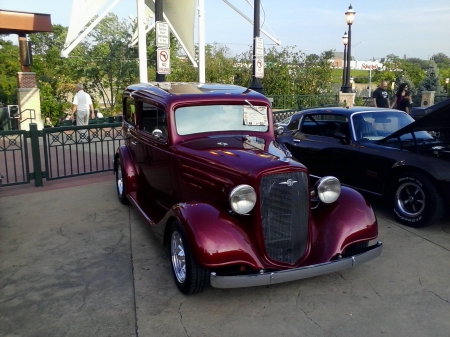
<point>189,276</point>
<point>414,200</point>
<point>120,184</point>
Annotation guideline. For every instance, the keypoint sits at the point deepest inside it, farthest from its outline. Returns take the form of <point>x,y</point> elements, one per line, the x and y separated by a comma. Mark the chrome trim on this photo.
<point>241,281</point>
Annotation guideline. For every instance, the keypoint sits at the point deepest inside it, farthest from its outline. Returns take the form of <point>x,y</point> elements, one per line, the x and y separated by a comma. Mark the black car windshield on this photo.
<point>374,126</point>
<point>216,118</point>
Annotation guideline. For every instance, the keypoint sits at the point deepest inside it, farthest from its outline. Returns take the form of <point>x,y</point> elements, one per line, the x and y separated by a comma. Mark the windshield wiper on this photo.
<point>251,105</point>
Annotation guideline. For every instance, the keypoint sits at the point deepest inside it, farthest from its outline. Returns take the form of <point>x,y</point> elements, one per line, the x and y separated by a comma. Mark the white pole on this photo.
<point>201,41</point>
<point>370,81</point>
<point>142,42</point>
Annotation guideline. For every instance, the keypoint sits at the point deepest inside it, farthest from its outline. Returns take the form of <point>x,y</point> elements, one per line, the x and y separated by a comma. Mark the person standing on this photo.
<point>82,105</point>
<point>399,96</point>
<point>380,96</point>
<point>405,103</point>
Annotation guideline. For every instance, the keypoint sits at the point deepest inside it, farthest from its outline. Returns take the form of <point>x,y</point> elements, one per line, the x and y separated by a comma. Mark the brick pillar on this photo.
<point>29,99</point>
<point>347,99</point>
<point>427,98</point>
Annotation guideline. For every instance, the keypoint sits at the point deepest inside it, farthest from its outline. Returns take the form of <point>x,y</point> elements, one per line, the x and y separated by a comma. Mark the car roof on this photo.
<point>184,89</point>
<point>342,110</point>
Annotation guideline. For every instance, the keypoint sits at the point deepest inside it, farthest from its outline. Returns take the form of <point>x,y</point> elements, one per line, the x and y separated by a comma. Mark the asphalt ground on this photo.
<point>76,262</point>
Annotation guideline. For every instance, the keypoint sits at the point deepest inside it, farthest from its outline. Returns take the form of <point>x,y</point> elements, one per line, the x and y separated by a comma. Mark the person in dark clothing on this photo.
<point>380,96</point>
<point>399,96</point>
<point>405,103</point>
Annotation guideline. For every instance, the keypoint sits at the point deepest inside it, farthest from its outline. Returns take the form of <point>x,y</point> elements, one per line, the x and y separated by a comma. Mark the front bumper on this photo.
<point>241,281</point>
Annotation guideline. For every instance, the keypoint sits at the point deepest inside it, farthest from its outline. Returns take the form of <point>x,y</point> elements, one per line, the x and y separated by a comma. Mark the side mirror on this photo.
<point>157,133</point>
<point>279,130</point>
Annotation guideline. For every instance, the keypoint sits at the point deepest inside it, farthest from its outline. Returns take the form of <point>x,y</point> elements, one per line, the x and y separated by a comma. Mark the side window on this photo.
<point>153,118</point>
<point>130,110</point>
<point>325,125</point>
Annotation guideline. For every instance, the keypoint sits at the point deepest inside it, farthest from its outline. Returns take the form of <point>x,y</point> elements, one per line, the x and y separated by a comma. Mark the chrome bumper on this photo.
<point>241,281</point>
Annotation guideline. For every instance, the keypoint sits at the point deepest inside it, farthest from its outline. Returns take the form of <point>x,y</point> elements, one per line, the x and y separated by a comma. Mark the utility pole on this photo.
<point>256,82</point>
<point>159,17</point>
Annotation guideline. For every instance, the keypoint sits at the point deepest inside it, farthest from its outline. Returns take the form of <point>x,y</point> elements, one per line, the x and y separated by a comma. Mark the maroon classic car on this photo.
<point>201,165</point>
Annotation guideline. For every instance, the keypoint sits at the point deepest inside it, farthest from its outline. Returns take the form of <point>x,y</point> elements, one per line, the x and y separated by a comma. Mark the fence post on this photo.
<point>36,154</point>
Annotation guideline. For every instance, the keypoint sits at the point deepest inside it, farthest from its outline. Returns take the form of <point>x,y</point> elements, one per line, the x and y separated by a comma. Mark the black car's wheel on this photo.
<point>120,184</point>
<point>415,201</point>
<point>189,276</point>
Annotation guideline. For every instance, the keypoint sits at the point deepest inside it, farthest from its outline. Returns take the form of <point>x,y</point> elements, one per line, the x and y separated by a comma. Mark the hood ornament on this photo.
<point>288,182</point>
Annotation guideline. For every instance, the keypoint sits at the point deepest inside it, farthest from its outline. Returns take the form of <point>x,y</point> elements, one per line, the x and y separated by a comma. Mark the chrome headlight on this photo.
<point>242,199</point>
<point>328,189</point>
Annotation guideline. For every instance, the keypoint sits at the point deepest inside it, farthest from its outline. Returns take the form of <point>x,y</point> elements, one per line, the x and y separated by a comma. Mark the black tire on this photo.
<point>189,276</point>
<point>414,200</point>
<point>120,184</point>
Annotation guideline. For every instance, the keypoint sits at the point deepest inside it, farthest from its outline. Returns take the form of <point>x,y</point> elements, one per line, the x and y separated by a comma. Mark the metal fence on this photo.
<point>55,153</point>
<point>302,101</point>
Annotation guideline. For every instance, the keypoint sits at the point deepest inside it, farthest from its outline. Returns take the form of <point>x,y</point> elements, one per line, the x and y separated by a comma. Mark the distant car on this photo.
<point>201,165</point>
<point>419,112</point>
<point>381,151</point>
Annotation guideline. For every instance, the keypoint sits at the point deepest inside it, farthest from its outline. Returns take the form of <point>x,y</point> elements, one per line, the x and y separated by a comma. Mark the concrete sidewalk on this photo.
<point>75,262</point>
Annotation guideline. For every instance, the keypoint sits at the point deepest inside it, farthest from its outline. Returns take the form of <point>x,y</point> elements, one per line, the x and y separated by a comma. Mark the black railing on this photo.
<point>303,101</point>
<point>55,153</point>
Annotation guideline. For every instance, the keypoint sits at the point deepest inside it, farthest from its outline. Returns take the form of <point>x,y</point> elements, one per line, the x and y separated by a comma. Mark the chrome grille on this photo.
<point>284,215</point>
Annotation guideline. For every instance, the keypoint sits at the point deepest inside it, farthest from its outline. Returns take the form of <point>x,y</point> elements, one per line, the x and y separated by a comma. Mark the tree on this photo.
<point>9,55</point>
<point>431,80</point>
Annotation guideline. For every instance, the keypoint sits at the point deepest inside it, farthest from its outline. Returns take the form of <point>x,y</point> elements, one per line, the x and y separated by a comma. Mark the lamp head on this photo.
<point>345,39</point>
<point>350,15</point>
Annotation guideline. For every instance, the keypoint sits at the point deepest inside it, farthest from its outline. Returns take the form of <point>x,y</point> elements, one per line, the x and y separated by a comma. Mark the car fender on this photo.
<point>215,238</point>
<point>130,172</point>
<point>350,219</point>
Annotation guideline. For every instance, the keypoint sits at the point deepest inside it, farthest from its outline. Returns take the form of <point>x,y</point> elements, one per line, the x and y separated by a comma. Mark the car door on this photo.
<point>323,144</point>
<point>156,158</point>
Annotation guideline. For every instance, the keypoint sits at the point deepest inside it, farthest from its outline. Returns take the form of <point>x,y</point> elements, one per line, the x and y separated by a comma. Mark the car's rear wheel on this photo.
<point>120,184</point>
<point>415,201</point>
<point>189,276</point>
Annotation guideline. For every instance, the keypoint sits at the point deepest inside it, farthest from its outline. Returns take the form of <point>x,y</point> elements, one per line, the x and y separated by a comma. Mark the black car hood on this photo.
<point>437,120</point>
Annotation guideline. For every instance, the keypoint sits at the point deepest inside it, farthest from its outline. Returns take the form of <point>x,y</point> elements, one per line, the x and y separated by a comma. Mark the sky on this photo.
<point>412,28</point>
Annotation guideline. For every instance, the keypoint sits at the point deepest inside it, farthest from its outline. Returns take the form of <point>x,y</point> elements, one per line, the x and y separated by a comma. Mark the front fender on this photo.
<point>129,171</point>
<point>348,220</point>
<point>216,239</point>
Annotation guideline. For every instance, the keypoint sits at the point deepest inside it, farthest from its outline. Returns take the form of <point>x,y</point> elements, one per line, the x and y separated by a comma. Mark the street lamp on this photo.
<point>349,17</point>
<point>446,84</point>
<point>345,42</point>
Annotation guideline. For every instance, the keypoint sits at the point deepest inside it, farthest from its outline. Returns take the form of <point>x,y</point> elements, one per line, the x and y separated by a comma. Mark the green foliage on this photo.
<point>8,71</point>
<point>431,80</point>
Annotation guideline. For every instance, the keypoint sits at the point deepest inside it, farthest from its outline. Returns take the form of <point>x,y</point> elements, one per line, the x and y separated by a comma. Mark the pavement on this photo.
<point>76,262</point>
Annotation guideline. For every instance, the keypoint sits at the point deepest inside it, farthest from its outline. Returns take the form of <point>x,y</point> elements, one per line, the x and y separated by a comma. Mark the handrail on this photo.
<point>13,127</point>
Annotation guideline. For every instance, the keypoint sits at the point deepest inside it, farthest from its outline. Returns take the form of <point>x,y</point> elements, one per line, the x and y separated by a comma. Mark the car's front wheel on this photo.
<point>189,276</point>
<point>414,200</point>
<point>120,184</point>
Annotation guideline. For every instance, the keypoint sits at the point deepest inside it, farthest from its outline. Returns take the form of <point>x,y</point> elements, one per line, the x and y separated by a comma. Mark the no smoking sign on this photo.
<point>259,67</point>
<point>163,61</point>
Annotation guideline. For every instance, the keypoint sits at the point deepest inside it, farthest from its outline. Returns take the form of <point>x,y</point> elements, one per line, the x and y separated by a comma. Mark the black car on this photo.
<point>420,111</point>
<point>382,151</point>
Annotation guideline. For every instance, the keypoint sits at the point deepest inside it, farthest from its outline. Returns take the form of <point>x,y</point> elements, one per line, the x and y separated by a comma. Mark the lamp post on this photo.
<point>345,42</point>
<point>349,17</point>
<point>446,85</point>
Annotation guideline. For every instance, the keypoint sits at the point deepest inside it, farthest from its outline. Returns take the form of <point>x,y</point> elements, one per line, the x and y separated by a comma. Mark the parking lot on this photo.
<point>75,262</point>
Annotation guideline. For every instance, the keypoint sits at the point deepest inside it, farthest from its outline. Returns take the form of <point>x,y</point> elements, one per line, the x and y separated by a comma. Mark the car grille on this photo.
<point>284,205</point>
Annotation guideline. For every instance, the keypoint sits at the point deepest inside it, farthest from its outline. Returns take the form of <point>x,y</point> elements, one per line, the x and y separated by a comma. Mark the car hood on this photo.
<point>437,120</point>
<point>237,153</point>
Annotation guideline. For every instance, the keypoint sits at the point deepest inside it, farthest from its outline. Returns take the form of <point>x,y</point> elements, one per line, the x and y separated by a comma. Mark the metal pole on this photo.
<point>159,17</point>
<point>347,87</point>
<point>344,68</point>
<point>256,82</point>
<point>201,41</point>
<point>142,44</point>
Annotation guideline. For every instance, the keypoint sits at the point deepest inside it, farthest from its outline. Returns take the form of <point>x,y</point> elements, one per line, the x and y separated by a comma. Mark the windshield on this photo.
<point>378,125</point>
<point>213,118</point>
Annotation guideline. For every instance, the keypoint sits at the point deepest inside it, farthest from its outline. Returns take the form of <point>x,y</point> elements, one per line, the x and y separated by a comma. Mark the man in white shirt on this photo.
<point>82,104</point>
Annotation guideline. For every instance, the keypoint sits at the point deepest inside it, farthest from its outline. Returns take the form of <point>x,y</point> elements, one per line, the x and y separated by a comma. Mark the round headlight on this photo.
<point>242,199</point>
<point>328,189</point>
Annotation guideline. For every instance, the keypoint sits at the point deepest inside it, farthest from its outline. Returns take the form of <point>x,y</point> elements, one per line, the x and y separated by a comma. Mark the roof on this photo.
<point>342,110</point>
<point>12,22</point>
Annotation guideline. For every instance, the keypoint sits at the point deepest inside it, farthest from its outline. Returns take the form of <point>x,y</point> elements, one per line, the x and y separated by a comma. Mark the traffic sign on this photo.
<point>163,61</point>
<point>259,67</point>
<point>162,34</point>
<point>259,47</point>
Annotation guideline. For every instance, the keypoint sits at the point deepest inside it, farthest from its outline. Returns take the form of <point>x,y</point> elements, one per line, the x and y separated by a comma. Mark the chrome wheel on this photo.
<point>410,199</point>
<point>178,257</point>
<point>119,180</point>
